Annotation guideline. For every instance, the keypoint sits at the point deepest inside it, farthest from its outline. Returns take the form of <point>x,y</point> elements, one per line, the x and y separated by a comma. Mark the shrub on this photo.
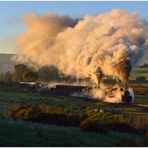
<point>58,118</point>
<point>146,134</point>
<point>105,116</point>
<point>105,121</point>
<point>25,113</point>
<point>140,78</point>
<point>50,115</point>
<point>141,124</point>
<point>97,125</point>
<point>52,109</point>
<point>93,125</point>
<point>140,90</point>
<point>16,108</point>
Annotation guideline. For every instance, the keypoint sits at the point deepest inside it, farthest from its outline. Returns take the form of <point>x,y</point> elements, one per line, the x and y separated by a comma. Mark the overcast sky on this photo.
<point>11,24</point>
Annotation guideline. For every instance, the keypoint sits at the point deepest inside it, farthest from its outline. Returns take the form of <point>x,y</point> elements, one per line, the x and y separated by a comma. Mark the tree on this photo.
<point>23,73</point>
<point>48,73</point>
<point>140,79</point>
<point>145,65</point>
<point>19,71</point>
<point>30,76</point>
<point>7,76</point>
<point>1,76</point>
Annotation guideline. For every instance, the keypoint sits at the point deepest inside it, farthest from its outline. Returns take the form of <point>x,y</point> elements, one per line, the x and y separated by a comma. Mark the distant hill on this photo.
<point>6,64</point>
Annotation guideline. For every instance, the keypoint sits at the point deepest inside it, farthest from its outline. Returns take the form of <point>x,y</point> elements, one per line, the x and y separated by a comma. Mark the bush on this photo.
<point>105,116</point>
<point>105,126</point>
<point>59,119</point>
<point>24,113</point>
<point>105,121</point>
<point>90,121</point>
<point>140,79</point>
<point>16,108</point>
<point>146,134</point>
<point>52,109</point>
<point>50,115</point>
<point>93,125</point>
<point>140,90</point>
<point>141,125</point>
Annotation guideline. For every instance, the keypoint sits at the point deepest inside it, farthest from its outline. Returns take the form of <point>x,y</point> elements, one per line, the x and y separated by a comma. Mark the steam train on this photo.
<point>125,94</point>
<point>68,90</point>
<point>81,91</point>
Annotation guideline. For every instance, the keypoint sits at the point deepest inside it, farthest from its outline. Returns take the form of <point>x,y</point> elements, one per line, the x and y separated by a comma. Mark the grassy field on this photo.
<point>15,132</point>
<point>141,99</point>
<point>139,72</point>
<point>22,133</point>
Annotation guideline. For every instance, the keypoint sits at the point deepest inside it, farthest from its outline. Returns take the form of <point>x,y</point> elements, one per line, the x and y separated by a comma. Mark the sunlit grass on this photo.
<point>139,72</point>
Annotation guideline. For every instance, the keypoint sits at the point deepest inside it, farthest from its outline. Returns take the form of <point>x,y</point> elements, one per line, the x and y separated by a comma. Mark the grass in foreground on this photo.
<point>19,133</point>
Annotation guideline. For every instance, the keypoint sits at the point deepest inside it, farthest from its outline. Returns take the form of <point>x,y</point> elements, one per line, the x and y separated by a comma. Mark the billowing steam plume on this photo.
<point>93,47</point>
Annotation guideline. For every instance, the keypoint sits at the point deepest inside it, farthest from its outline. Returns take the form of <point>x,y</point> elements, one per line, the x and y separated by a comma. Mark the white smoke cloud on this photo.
<point>105,44</point>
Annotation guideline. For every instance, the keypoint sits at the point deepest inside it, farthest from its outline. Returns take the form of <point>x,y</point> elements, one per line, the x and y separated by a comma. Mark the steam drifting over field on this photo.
<point>94,46</point>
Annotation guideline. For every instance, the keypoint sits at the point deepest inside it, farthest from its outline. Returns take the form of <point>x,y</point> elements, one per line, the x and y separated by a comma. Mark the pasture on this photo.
<point>44,134</point>
<point>139,72</point>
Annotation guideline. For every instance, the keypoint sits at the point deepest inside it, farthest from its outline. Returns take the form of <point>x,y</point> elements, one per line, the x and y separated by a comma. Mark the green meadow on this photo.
<point>139,72</point>
<point>18,132</point>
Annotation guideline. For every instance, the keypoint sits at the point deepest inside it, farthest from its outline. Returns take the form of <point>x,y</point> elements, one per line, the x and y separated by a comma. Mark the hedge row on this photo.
<point>89,121</point>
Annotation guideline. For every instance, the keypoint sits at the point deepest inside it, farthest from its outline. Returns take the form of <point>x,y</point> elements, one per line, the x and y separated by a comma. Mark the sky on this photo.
<point>11,13</point>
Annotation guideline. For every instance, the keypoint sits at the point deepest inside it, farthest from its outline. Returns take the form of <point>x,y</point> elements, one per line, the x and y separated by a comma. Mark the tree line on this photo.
<point>23,73</point>
<point>144,65</point>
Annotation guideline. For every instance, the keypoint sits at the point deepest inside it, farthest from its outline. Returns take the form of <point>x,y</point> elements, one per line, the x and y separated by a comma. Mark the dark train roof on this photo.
<point>68,89</point>
<point>70,86</point>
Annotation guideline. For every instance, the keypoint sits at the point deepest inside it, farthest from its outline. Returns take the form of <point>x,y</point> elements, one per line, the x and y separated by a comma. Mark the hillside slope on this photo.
<point>6,63</point>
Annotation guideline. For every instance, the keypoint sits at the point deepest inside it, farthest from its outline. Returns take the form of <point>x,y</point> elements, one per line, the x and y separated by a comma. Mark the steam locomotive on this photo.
<point>67,90</point>
<point>127,98</point>
<point>126,95</point>
<point>83,91</point>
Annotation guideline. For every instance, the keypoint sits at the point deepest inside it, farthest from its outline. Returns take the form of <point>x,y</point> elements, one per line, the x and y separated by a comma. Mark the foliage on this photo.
<point>17,107</point>
<point>19,70</point>
<point>37,108</point>
<point>105,121</point>
<point>51,115</point>
<point>23,73</point>
<point>140,78</point>
<point>48,73</point>
<point>101,122</point>
<point>145,65</point>
<point>105,126</point>
<point>16,133</point>
<point>139,72</point>
<point>30,76</point>
<point>140,124</point>
<point>140,90</point>
<point>105,116</point>
<point>51,73</point>
<point>6,77</point>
